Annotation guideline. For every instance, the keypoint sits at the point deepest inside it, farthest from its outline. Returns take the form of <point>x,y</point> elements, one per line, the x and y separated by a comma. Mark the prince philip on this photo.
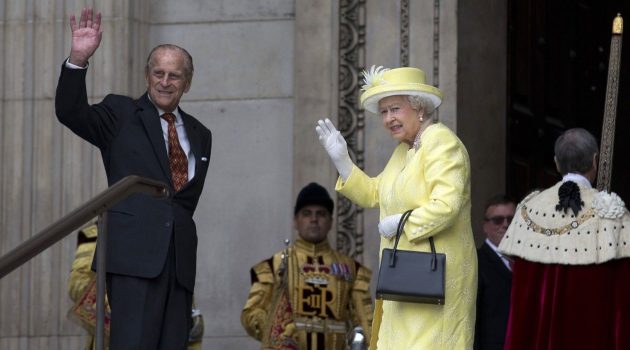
<point>152,243</point>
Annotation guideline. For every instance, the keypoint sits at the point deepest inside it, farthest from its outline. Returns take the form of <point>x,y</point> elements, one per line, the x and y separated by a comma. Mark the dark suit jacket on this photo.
<point>493,300</point>
<point>129,135</point>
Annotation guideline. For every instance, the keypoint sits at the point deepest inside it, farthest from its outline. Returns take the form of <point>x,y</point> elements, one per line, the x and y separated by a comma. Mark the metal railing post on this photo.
<point>101,256</point>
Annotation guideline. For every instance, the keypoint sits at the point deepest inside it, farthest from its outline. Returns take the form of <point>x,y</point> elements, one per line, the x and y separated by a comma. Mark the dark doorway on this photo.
<point>558,53</point>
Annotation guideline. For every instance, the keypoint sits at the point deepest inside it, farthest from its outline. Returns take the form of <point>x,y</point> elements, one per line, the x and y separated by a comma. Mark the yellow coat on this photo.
<point>435,180</point>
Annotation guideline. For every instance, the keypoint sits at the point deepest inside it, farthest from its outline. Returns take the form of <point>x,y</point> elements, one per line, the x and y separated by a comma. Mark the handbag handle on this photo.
<point>401,226</point>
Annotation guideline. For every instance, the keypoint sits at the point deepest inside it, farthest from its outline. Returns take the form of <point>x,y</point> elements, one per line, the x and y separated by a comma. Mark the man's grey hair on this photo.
<point>574,151</point>
<point>422,103</point>
<point>188,61</point>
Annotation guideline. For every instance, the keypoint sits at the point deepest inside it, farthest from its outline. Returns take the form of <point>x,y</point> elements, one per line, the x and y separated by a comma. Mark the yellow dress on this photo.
<point>435,182</point>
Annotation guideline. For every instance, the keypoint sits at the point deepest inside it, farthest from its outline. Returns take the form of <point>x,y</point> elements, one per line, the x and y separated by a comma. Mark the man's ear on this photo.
<point>595,161</point>
<point>295,226</point>
<point>555,160</point>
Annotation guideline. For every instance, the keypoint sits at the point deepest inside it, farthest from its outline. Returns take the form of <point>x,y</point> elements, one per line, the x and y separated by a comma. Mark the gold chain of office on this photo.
<point>558,230</point>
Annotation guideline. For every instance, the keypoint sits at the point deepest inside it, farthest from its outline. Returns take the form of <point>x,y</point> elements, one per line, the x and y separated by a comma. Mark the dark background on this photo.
<point>558,55</point>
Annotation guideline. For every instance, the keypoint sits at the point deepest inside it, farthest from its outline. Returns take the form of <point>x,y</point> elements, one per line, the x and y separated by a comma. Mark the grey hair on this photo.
<point>574,151</point>
<point>188,61</point>
<point>422,103</point>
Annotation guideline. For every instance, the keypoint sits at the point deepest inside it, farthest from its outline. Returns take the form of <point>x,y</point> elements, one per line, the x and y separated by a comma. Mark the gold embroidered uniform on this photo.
<point>328,293</point>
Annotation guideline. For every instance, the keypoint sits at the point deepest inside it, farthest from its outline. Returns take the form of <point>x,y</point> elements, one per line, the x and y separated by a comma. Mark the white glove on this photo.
<point>389,225</point>
<point>336,147</point>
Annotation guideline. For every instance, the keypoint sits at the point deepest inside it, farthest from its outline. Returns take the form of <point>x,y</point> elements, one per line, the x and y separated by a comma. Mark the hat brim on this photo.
<point>370,98</point>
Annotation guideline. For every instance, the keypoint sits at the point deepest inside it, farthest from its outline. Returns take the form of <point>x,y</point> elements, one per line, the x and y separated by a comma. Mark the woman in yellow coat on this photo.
<point>428,172</point>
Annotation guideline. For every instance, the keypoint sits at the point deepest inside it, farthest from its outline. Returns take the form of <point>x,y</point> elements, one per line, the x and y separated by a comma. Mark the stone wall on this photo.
<point>482,92</point>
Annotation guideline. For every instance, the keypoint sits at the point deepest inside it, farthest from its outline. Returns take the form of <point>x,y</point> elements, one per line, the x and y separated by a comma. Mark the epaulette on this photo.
<point>363,278</point>
<point>262,272</point>
<point>90,231</point>
<point>87,234</point>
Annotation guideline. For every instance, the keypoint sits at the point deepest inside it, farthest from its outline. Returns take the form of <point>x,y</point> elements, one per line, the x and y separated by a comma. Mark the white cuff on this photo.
<point>74,66</point>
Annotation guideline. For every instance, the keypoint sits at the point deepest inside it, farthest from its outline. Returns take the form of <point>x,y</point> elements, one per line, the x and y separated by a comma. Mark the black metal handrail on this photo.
<point>97,206</point>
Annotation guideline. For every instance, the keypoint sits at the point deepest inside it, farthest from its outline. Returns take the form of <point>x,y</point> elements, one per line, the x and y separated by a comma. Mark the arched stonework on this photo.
<point>351,117</point>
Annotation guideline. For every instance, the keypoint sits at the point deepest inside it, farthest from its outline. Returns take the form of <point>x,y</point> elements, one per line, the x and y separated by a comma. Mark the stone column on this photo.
<point>482,84</point>
<point>316,93</point>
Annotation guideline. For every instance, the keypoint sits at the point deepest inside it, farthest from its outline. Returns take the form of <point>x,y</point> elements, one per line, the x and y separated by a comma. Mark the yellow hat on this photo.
<point>382,82</point>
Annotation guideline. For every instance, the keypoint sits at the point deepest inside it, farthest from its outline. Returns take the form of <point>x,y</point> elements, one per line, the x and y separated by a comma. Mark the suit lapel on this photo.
<point>149,116</point>
<point>497,262</point>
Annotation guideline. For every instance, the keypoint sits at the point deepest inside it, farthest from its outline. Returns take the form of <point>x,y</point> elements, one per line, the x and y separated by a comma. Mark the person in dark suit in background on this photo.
<point>152,243</point>
<point>495,276</point>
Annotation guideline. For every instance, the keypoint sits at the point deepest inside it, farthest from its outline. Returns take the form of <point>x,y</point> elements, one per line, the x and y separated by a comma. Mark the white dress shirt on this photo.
<point>503,258</point>
<point>578,179</point>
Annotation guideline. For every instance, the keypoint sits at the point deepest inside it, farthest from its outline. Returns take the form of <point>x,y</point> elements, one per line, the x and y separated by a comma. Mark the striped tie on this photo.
<point>177,160</point>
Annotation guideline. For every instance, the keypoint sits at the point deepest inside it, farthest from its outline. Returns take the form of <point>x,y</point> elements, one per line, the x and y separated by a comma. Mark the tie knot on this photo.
<point>169,117</point>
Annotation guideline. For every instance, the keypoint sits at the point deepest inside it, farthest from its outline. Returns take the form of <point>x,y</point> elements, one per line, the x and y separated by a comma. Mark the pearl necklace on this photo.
<point>416,140</point>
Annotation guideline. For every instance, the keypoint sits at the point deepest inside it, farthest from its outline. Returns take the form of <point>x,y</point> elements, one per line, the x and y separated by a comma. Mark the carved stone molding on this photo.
<point>436,44</point>
<point>404,33</point>
<point>351,117</point>
<point>404,38</point>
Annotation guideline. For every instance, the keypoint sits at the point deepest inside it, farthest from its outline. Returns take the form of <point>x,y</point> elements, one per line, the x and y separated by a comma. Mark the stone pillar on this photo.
<point>481,98</point>
<point>315,90</point>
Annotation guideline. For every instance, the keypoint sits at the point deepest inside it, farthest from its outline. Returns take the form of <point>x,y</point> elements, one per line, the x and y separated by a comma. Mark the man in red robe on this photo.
<point>570,243</point>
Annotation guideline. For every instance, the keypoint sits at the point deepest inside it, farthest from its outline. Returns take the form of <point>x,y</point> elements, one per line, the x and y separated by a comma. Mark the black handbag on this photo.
<point>410,276</point>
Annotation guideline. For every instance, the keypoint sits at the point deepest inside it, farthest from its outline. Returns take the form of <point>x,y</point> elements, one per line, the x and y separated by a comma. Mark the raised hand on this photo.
<point>335,145</point>
<point>331,139</point>
<point>86,36</point>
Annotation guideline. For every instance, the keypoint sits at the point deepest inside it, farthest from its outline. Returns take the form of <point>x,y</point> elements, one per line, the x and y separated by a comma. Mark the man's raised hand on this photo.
<point>86,36</point>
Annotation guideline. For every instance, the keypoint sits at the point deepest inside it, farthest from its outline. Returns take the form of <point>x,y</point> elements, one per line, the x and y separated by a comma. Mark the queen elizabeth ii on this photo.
<point>429,173</point>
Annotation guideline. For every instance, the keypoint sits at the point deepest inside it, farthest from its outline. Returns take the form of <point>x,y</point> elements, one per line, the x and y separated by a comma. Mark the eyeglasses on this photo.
<point>498,220</point>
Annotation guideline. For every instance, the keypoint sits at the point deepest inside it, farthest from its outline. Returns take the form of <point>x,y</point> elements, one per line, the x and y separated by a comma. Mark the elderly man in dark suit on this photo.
<point>495,277</point>
<point>152,243</point>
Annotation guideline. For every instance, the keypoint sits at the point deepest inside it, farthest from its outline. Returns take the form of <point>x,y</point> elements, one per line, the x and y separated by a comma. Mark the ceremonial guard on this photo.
<point>308,296</point>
